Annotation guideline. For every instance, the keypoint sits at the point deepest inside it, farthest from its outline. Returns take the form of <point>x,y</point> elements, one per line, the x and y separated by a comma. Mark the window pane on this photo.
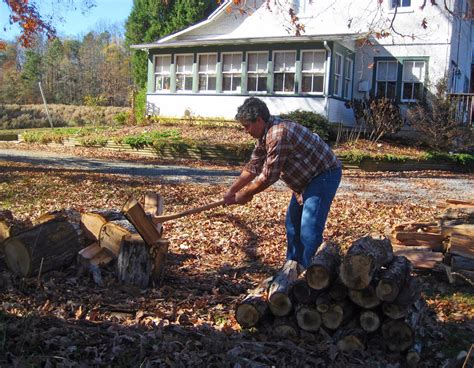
<point>407,91</point>
<point>252,63</point>
<point>306,84</point>
<point>226,83</point>
<point>391,90</point>
<point>278,82</point>
<point>392,67</point>
<point>338,64</point>
<point>290,60</point>
<point>180,83</point>
<point>308,61</point>
<point>289,82</point>
<point>252,83</point>
<point>262,62</point>
<point>382,70</point>
<point>337,83</point>
<point>381,89</point>
<point>262,84</point>
<point>417,91</point>
<point>318,83</point>
<point>279,62</point>
<point>189,83</point>
<point>236,84</point>
<point>211,84</point>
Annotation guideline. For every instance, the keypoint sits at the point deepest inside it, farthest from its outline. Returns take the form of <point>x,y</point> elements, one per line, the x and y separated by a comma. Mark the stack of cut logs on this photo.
<point>129,239</point>
<point>366,292</point>
<point>446,245</point>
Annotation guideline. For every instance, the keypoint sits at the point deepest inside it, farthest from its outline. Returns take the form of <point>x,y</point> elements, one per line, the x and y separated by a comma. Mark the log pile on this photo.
<point>365,293</point>
<point>446,244</point>
<point>128,239</point>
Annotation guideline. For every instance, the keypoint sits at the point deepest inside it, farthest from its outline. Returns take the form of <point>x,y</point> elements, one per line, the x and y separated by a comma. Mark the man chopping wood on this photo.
<point>291,152</point>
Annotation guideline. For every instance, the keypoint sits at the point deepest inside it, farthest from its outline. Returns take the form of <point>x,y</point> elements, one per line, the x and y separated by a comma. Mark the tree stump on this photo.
<point>365,256</point>
<point>48,246</point>
<point>134,262</point>
<point>324,266</point>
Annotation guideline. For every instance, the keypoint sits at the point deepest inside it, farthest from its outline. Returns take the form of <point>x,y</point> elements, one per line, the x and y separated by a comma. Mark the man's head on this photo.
<point>253,114</point>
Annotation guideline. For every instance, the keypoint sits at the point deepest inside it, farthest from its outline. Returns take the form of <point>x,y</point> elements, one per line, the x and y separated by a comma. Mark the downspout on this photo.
<point>326,87</point>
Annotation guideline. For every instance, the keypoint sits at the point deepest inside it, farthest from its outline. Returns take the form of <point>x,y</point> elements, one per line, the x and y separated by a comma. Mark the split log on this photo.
<point>67,214</point>
<point>134,263</point>
<point>91,259</point>
<point>431,238</point>
<point>92,222</point>
<point>44,247</point>
<point>422,260</point>
<point>159,253</point>
<point>324,266</point>
<point>302,293</point>
<point>369,320</point>
<point>338,291</point>
<point>459,263</point>
<point>463,215</point>
<point>414,226</point>
<point>112,233</point>
<point>154,206</point>
<point>461,229</point>
<point>254,307</point>
<point>393,278</point>
<point>284,327</point>
<point>364,257</point>
<point>365,298</point>
<point>333,317</point>
<point>278,299</point>
<point>135,213</point>
<point>462,245</point>
<point>308,318</point>
<point>322,302</point>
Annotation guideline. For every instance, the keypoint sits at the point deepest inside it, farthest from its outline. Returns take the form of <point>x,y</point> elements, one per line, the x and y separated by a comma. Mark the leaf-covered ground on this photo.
<point>65,320</point>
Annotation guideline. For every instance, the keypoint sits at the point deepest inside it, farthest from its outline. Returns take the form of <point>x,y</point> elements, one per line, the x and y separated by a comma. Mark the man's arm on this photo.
<point>244,178</point>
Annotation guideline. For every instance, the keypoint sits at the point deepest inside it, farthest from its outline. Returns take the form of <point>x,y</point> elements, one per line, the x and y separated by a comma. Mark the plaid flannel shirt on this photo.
<point>292,153</point>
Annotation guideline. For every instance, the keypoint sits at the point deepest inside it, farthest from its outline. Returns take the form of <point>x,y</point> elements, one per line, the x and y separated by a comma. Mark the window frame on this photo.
<point>392,6</point>
<point>347,85</point>
<point>257,73</point>
<point>376,87</point>
<point>313,72</point>
<point>185,74</point>
<point>421,81</point>
<point>284,72</point>
<point>338,75</point>
<point>162,73</point>
<point>231,73</point>
<point>207,73</point>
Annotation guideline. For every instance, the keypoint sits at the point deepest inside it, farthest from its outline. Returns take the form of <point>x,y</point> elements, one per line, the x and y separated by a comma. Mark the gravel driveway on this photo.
<point>427,186</point>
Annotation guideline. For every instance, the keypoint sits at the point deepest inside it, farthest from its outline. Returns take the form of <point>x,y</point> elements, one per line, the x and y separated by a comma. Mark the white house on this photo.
<point>209,68</point>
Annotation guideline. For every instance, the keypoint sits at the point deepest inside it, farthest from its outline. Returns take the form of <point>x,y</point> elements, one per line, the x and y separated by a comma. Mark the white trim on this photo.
<point>295,52</point>
<point>267,53</point>
<point>185,74</point>
<point>386,80</point>
<point>348,67</point>
<point>232,74</point>
<point>313,73</point>
<point>207,73</point>
<point>166,74</point>
<point>341,75</point>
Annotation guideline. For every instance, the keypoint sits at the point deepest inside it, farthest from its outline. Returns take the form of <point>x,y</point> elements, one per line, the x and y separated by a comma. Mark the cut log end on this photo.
<point>369,321</point>
<point>332,319</point>
<point>413,358</point>
<point>349,344</point>
<point>280,304</point>
<point>398,335</point>
<point>317,277</point>
<point>17,257</point>
<point>386,290</point>
<point>308,319</point>
<point>356,271</point>
<point>247,315</point>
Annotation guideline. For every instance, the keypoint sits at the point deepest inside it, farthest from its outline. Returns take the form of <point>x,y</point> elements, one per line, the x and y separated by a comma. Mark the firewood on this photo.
<point>462,263</point>
<point>159,253</point>
<point>350,339</point>
<point>9,226</point>
<point>154,206</point>
<point>413,226</point>
<point>463,215</point>
<point>67,214</point>
<point>364,257</point>
<point>393,278</point>
<point>278,299</point>
<point>322,302</point>
<point>91,259</point>
<point>134,263</point>
<point>413,356</point>
<point>284,327</point>
<point>461,229</point>
<point>324,266</point>
<point>254,306</point>
<point>394,311</point>
<point>338,291</point>
<point>302,293</point>
<point>461,245</point>
<point>422,260</point>
<point>92,221</point>
<point>135,213</point>
<point>333,317</point>
<point>47,246</point>
<point>308,318</point>
<point>112,233</point>
<point>365,298</point>
<point>369,320</point>
<point>410,292</point>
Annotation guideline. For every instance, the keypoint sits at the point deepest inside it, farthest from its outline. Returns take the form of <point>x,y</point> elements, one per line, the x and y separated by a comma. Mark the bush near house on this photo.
<point>316,122</point>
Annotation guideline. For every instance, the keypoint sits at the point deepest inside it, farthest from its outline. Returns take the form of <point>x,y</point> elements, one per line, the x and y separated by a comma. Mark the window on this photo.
<point>400,4</point>
<point>231,71</point>
<point>184,72</point>
<point>348,79</point>
<point>413,76</point>
<point>312,71</point>
<point>207,72</point>
<point>338,75</point>
<point>257,71</point>
<point>284,71</point>
<point>386,79</point>
<point>162,72</point>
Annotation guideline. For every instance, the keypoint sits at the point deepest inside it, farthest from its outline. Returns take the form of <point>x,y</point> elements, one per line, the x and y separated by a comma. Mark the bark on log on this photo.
<point>302,293</point>
<point>365,256</point>
<point>284,327</point>
<point>48,246</point>
<point>254,307</point>
<point>410,292</point>
<point>365,298</point>
<point>308,318</point>
<point>278,299</point>
<point>159,253</point>
<point>9,227</point>
<point>324,266</point>
<point>459,263</point>
<point>369,320</point>
<point>135,213</point>
<point>134,263</point>
<point>112,233</point>
<point>393,278</point>
<point>92,222</point>
<point>338,291</point>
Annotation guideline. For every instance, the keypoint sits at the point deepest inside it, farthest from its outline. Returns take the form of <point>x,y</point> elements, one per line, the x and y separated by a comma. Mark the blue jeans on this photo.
<point>305,223</point>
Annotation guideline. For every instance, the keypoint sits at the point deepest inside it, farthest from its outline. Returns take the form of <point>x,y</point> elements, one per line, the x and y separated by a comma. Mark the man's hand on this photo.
<point>229,198</point>
<point>243,197</point>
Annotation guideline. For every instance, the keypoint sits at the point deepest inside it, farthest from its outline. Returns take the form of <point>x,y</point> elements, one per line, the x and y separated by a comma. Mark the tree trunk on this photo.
<point>324,266</point>
<point>278,299</point>
<point>393,278</point>
<point>308,318</point>
<point>364,257</point>
<point>366,298</point>
<point>112,233</point>
<point>134,263</point>
<point>369,320</point>
<point>254,307</point>
<point>302,293</point>
<point>92,222</point>
<point>47,246</point>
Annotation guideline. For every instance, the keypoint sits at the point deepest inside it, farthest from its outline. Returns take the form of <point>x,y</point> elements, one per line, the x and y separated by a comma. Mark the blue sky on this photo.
<point>74,23</point>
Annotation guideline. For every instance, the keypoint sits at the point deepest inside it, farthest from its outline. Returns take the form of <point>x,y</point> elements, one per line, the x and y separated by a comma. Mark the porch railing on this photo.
<point>464,111</point>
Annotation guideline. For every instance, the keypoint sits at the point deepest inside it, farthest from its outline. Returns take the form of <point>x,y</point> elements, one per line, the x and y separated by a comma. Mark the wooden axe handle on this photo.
<point>163,218</point>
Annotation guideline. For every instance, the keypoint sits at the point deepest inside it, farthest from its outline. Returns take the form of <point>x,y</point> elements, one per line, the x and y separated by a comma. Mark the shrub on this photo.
<point>121,117</point>
<point>316,122</point>
<point>435,120</point>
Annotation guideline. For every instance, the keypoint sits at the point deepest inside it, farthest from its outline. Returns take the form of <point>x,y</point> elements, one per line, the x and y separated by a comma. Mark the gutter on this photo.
<point>328,70</point>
